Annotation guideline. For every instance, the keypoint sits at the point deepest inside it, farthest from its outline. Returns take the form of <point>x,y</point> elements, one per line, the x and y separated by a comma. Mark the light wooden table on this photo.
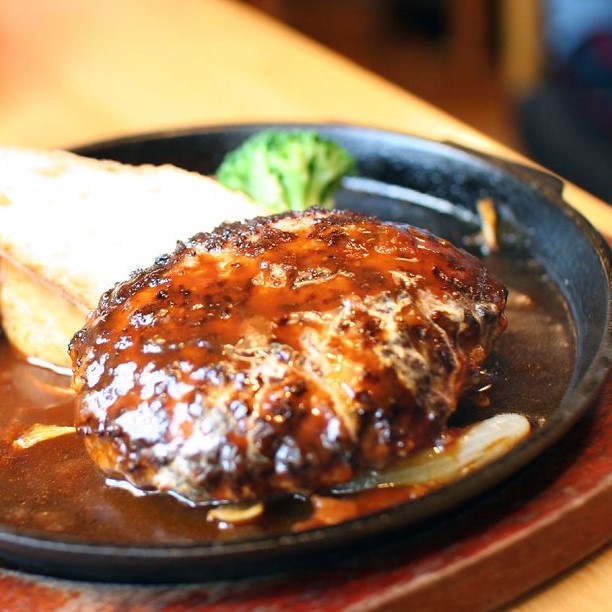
<point>73,71</point>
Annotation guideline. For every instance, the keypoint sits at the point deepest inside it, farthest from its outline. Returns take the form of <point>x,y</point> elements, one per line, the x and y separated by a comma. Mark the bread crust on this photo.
<point>71,227</point>
<point>36,317</point>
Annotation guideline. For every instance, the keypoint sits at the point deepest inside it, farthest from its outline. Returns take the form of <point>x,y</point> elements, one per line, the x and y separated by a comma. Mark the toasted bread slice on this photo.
<point>36,318</point>
<point>71,227</point>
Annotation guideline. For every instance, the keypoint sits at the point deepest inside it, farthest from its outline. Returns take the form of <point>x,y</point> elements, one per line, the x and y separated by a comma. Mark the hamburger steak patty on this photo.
<point>281,355</point>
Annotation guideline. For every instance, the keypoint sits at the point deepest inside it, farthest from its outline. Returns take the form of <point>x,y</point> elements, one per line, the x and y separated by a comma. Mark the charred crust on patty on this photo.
<point>282,355</point>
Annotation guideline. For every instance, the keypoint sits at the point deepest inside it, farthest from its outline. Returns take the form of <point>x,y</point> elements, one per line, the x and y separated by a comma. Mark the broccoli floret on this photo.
<point>287,169</point>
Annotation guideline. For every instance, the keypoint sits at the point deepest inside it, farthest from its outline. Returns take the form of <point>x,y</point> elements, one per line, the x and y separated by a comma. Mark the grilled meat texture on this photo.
<point>281,355</point>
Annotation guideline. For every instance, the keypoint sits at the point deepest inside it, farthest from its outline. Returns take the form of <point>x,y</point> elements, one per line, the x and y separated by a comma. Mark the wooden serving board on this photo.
<point>546,518</point>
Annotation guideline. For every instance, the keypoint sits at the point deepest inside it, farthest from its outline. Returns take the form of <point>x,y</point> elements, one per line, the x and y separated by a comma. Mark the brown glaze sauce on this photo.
<point>53,488</point>
<point>279,351</point>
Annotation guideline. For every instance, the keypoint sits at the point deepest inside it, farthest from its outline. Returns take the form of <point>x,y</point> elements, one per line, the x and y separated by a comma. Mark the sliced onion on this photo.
<point>236,513</point>
<point>474,447</point>
<point>488,224</point>
<point>40,433</point>
<point>228,514</point>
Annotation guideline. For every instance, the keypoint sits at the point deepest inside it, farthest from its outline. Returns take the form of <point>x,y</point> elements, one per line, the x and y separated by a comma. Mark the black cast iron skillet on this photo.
<point>549,366</point>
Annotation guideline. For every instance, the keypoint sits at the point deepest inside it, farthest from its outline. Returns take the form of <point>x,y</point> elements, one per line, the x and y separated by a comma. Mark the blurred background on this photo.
<point>533,74</point>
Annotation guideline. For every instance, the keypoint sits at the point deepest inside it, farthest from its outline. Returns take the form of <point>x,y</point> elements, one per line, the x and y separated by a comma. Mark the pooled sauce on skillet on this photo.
<point>54,487</point>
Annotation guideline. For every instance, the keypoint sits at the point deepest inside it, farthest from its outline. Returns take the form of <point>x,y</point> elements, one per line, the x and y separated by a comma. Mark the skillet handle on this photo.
<point>539,178</point>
